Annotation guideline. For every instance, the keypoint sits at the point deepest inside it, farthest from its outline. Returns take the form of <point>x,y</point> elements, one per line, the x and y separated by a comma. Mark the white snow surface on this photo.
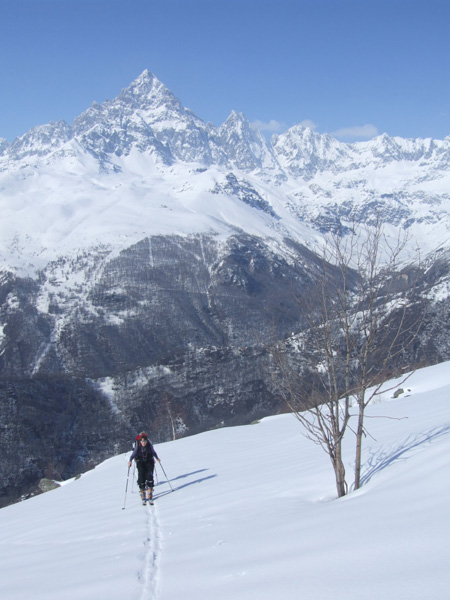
<point>67,207</point>
<point>142,165</point>
<point>253,515</point>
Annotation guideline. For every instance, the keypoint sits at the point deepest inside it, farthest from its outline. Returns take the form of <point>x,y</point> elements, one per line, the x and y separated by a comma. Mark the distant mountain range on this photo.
<point>146,257</point>
<point>125,158</point>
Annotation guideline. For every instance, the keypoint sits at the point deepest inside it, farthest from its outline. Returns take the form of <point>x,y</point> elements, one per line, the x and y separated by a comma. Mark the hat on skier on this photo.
<point>142,436</point>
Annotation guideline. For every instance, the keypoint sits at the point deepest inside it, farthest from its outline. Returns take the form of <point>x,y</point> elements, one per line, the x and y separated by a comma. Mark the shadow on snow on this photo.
<point>184,485</point>
<point>380,460</point>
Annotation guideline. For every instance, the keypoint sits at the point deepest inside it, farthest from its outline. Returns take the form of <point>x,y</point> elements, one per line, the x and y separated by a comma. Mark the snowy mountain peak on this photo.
<point>247,149</point>
<point>147,91</point>
<point>40,140</point>
<point>3,145</point>
<point>302,152</point>
<point>309,177</point>
<point>145,78</point>
<point>146,100</point>
<point>237,119</point>
<point>147,84</point>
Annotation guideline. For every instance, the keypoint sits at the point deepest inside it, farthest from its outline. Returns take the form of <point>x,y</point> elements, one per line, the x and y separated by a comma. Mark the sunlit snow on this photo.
<point>253,515</point>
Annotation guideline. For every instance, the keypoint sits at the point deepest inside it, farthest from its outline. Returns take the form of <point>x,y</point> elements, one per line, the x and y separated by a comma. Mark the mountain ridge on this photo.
<point>147,258</point>
<point>148,96</point>
<point>307,178</point>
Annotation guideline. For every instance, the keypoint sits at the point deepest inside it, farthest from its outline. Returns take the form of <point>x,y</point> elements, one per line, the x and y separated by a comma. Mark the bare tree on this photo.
<point>359,325</point>
<point>169,412</point>
<point>386,317</point>
<point>323,416</point>
<point>312,379</point>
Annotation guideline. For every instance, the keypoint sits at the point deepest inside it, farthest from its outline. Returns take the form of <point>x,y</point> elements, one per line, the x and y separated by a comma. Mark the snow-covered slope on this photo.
<point>146,257</point>
<point>253,514</point>
<point>142,164</point>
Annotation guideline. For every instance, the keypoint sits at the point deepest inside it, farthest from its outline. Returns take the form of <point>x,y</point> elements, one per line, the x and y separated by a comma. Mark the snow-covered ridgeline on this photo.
<point>143,164</point>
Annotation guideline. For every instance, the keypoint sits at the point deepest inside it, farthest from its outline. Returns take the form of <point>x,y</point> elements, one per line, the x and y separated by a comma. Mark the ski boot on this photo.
<point>143,498</point>
<point>150,495</point>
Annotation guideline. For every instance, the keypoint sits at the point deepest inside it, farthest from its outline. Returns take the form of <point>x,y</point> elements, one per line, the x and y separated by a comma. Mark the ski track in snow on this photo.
<point>389,540</point>
<point>149,573</point>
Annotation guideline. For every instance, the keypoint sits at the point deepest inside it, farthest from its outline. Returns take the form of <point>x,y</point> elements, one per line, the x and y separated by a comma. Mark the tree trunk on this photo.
<point>339,471</point>
<point>359,435</point>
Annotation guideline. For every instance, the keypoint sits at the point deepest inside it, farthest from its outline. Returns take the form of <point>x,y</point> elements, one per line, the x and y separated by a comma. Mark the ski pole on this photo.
<point>166,475</point>
<point>126,489</point>
<point>133,478</point>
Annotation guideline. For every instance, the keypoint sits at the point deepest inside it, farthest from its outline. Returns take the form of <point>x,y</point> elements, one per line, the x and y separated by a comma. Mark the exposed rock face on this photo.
<point>149,257</point>
<point>169,336</point>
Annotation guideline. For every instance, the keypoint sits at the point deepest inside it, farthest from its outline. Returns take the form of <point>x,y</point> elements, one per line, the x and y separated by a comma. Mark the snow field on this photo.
<point>253,515</point>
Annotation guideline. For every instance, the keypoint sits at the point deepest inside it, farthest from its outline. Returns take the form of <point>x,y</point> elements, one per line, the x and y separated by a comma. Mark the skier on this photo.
<point>144,454</point>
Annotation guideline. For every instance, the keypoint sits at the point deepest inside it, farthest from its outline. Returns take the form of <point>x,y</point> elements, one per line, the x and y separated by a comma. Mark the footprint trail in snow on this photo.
<point>152,543</point>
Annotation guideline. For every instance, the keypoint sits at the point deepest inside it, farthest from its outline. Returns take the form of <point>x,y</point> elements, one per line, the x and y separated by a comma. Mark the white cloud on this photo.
<point>358,132</point>
<point>309,124</point>
<point>365,132</point>
<point>271,126</point>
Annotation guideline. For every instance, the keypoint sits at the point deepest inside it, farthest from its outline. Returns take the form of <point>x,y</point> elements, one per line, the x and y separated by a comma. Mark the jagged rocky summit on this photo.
<point>147,257</point>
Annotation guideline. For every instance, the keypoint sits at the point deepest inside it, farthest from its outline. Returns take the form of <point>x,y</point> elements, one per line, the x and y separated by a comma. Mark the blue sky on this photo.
<point>352,68</point>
